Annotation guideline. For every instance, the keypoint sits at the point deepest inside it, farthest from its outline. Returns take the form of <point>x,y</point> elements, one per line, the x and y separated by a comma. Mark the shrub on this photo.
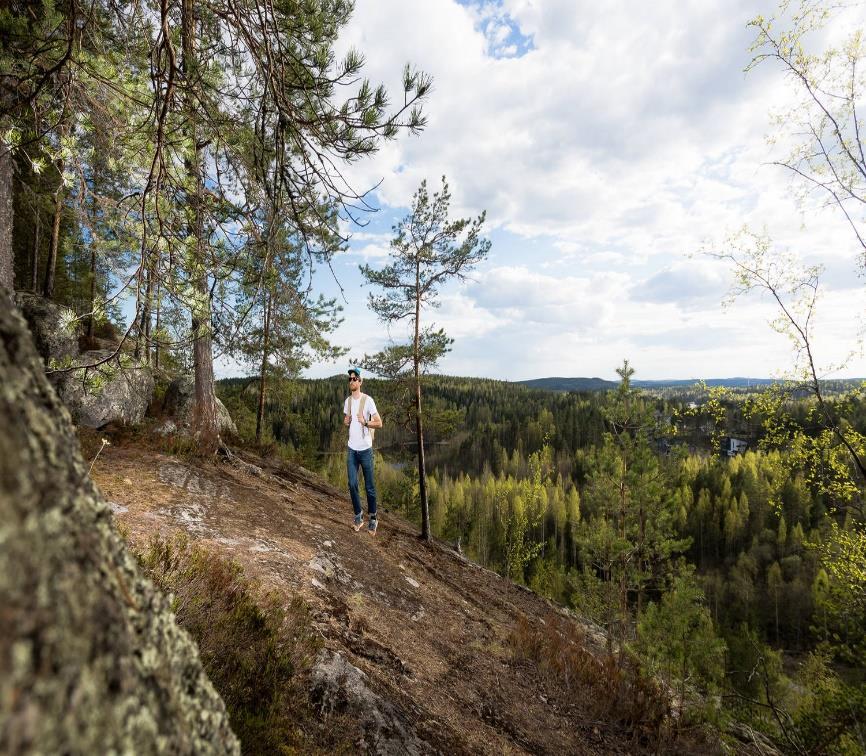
<point>619,693</point>
<point>256,650</point>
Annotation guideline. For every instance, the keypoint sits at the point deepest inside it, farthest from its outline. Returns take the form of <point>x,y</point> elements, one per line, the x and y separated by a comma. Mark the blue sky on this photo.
<point>609,143</point>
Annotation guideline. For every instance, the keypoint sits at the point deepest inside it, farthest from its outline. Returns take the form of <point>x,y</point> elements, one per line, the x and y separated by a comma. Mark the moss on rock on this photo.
<point>91,659</point>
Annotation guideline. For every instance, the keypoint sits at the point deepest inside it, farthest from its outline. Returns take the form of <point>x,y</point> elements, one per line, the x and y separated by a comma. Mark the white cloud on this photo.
<point>368,236</point>
<point>527,297</point>
<point>581,130</point>
<point>689,283</point>
<point>607,145</point>
<point>376,251</point>
<point>463,318</point>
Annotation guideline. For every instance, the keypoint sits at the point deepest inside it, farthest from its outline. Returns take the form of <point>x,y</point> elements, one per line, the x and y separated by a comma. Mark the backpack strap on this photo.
<point>361,412</point>
<point>365,429</point>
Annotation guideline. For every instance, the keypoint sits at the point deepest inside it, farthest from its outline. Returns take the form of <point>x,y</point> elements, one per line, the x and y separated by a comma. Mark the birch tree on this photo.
<point>821,133</point>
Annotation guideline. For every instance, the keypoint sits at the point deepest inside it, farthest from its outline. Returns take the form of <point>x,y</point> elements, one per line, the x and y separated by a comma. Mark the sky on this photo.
<point>610,145</point>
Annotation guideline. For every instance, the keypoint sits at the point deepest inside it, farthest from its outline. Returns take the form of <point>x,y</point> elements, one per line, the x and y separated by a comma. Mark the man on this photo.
<point>361,421</point>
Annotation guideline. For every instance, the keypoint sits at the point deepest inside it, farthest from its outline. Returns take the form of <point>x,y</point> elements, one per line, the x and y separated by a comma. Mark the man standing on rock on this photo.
<point>361,417</point>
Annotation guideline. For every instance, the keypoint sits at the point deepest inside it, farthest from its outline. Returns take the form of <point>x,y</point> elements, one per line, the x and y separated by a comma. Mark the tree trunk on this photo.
<point>7,266</point>
<point>701,532</point>
<point>642,561</point>
<point>37,238</point>
<point>776,595</point>
<point>204,410</point>
<point>260,412</point>
<point>623,577</point>
<point>91,319</point>
<point>422,471</point>
<point>142,339</point>
<point>419,426</point>
<point>147,320</point>
<point>51,268</point>
<point>157,325</point>
<point>543,527</point>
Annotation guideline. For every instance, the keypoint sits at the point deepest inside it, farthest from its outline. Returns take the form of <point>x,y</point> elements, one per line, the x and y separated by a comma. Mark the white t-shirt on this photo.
<point>360,437</point>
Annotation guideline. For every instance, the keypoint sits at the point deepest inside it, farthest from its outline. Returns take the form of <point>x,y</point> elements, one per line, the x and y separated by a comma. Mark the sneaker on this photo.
<point>372,525</point>
<point>358,523</point>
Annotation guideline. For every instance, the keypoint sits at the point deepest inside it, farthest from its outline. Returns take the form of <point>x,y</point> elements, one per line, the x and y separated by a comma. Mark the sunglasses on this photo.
<point>353,378</point>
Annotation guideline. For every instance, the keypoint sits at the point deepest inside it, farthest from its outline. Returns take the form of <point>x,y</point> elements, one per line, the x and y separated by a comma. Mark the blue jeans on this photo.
<point>363,459</point>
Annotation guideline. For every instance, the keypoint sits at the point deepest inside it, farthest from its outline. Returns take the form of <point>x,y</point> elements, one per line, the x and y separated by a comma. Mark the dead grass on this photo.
<point>143,437</point>
<point>91,442</point>
<point>619,694</point>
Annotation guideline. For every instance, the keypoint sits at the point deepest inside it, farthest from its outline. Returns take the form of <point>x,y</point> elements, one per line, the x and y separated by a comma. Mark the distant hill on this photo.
<point>570,384</point>
<point>727,382</point>
<point>599,384</point>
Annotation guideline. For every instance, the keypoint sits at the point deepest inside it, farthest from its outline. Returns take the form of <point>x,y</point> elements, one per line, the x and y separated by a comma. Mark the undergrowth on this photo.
<point>611,687</point>
<point>140,436</point>
<point>256,650</point>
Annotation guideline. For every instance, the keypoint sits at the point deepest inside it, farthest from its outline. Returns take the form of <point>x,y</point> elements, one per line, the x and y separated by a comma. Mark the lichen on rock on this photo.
<point>91,660</point>
<point>51,325</point>
<point>178,406</point>
<point>339,685</point>
<point>118,389</point>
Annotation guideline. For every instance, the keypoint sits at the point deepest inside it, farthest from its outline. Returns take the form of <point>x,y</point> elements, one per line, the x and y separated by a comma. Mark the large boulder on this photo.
<point>117,390</point>
<point>51,325</point>
<point>91,659</point>
<point>338,685</point>
<point>178,406</point>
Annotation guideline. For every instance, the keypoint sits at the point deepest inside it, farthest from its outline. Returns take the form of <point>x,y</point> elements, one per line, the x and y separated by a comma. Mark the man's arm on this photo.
<point>374,422</point>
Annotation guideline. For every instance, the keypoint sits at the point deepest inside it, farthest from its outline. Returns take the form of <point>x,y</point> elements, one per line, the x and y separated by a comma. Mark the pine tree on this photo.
<point>284,326</point>
<point>774,584</point>
<point>207,110</point>
<point>677,639</point>
<point>428,249</point>
<point>631,535</point>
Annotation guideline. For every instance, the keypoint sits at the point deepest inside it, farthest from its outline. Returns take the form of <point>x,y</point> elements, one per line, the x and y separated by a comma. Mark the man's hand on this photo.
<point>361,419</point>
<point>347,420</point>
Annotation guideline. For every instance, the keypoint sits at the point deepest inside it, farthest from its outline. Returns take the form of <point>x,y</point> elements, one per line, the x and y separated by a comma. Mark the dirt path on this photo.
<point>431,630</point>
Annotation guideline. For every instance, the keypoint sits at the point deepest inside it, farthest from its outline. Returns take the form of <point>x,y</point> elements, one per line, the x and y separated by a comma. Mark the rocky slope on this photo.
<point>434,654</point>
